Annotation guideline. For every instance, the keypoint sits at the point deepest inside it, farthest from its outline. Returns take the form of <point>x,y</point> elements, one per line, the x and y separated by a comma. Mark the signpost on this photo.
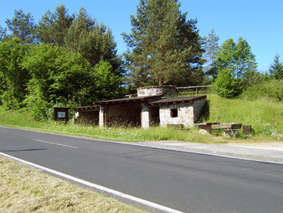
<point>61,113</point>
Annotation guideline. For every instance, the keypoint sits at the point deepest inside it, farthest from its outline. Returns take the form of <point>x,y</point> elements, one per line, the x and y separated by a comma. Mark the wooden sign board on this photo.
<point>61,113</point>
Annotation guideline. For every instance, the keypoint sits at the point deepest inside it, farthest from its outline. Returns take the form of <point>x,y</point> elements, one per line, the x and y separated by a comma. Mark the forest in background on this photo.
<point>70,60</point>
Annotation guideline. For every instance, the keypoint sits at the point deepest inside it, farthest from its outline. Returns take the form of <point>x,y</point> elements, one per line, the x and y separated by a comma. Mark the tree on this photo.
<point>211,47</point>
<point>237,59</point>
<point>22,26</point>
<point>276,69</point>
<point>64,77</point>
<point>95,42</point>
<point>53,27</point>
<point>13,78</point>
<point>107,83</point>
<point>163,48</point>
<point>226,85</point>
<point>3,34</point>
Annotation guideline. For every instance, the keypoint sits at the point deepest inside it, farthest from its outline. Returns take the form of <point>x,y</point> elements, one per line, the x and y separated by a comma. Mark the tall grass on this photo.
<point>265,115</point>
<point>23,119</point>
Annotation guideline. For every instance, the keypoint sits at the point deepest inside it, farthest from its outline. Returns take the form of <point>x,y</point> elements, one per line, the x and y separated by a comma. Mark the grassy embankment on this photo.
<point>264,115</point>
<point>24,189</point>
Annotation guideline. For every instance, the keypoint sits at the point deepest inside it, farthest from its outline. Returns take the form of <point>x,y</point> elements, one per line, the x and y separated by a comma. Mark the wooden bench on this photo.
<point>228,128</point>
<point>205,127</point>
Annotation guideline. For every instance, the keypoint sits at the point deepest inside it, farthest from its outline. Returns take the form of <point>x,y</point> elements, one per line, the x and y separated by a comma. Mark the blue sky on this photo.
<point>257,21</point>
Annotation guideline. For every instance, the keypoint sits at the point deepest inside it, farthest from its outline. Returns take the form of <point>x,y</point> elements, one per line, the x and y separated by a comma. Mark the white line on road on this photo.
<point>58,144</point>
<point>101,188</point>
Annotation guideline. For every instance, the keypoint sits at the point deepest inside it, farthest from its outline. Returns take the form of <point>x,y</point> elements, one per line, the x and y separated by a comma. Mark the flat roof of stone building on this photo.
<point>128,100</point>
<point>177,100</point>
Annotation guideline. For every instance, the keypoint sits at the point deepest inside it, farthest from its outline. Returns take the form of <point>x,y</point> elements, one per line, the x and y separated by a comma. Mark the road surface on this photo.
<point>188,182</point>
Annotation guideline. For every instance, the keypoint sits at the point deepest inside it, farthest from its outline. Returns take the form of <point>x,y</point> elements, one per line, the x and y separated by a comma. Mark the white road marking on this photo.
<point>101,188</point>
<point>58,144</point>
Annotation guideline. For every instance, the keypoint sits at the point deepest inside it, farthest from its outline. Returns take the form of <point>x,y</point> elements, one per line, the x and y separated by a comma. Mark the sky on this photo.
<point>257,21</point>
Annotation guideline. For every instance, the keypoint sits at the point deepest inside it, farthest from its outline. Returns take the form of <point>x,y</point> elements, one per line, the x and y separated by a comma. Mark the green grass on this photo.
<point>264,115</point>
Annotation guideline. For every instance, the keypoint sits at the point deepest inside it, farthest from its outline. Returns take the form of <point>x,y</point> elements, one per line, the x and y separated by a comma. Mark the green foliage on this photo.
<point>238,58</point>
<point>276,69</point>
<point>226,85</point>
<point>263,114</point>
<point>13,77</point>
<point>107,83</point>
<point>3,34</point>
<point>164,48</point>
<point>271,89</point>
<point>53,27</point>
<point>63,77</point>
<point>235,62</point>
<point>57,76</point>
<point>95,42</point>
<point>22,26</point>
<point>211,47</point>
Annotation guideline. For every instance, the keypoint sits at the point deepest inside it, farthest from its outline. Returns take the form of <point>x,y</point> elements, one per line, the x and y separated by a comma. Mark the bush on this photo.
<point>272,89</point>
<point>226,85</point>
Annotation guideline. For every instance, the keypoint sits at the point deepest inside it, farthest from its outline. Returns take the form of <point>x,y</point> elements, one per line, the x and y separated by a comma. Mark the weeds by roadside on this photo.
<point>24,189</point>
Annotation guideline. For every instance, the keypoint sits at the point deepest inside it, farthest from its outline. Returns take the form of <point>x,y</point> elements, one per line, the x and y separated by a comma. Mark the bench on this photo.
<point>205,127</point>
<point>228,128</point>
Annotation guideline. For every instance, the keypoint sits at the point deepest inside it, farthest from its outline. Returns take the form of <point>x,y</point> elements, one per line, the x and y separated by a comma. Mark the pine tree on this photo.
<point>211,47</point>
<point>53,27</point>
<point>95,42</point>
<point>164,48</point>
<point>22,26</point>
<point>276,69</point>
<point>3,34</point>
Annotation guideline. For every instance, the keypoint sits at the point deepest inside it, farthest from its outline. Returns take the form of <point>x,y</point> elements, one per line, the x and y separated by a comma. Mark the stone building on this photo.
<point>153,105</point>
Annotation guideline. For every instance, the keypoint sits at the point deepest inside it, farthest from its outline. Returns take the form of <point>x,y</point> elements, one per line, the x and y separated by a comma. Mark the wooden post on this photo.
<point>247,129</point>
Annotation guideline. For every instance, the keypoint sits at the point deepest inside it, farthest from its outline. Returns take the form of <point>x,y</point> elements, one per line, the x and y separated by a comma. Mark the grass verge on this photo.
<point>25,189</point>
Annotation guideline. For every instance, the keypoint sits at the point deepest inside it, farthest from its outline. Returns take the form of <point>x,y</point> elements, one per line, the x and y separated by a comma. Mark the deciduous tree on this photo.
<point>234,61</point>
<point>13,78</point>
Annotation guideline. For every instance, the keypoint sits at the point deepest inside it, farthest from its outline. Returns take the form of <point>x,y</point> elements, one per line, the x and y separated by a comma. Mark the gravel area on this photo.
<point>262,151</point>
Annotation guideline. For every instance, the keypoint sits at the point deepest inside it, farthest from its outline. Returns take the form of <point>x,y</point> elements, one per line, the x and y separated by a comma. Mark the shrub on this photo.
<point>226,85</point>
<point>272,89</point>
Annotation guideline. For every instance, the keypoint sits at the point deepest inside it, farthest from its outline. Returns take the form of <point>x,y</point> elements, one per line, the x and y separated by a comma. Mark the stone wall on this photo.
<point>166,91</point>
<point>185,114</point>
<point>123,114</point>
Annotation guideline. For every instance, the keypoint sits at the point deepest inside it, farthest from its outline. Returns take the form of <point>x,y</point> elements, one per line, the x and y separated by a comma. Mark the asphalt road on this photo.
<point>184,181</point>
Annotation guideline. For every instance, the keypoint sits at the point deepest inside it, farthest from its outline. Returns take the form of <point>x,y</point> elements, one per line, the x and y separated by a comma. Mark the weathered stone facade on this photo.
<point>165,91</point>
<point>145,111</point>
<point>185,114</point>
